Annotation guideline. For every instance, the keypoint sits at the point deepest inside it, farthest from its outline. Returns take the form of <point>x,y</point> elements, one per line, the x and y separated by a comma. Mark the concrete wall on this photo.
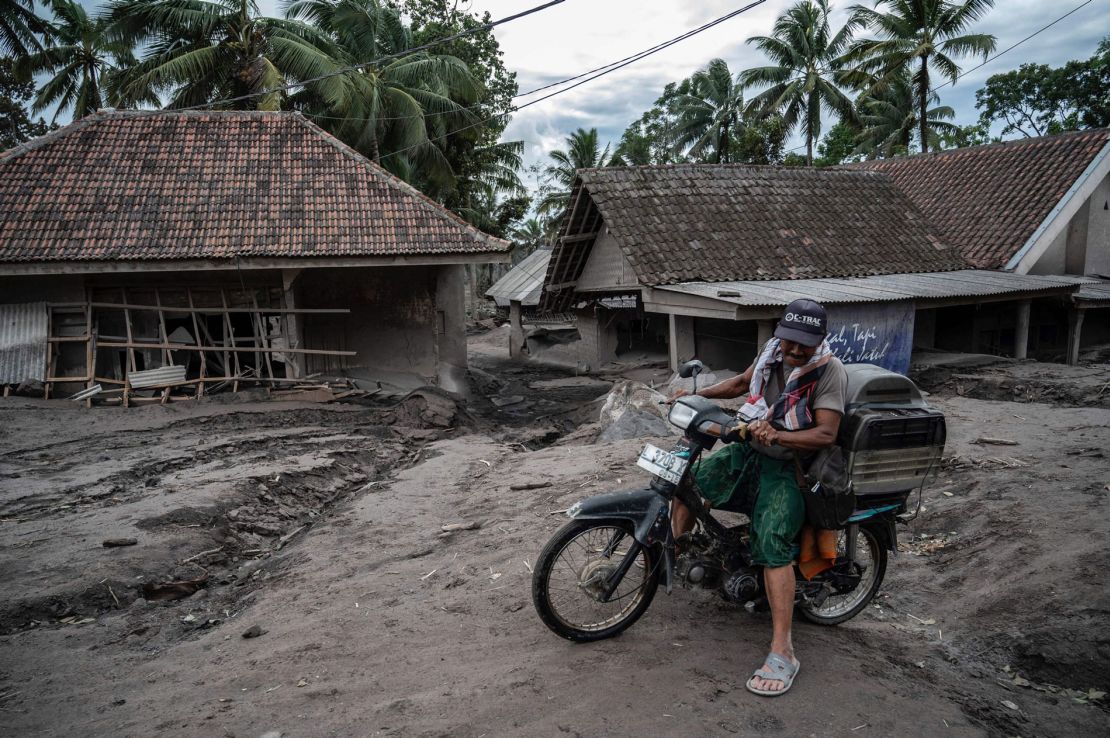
<point>394,324</point>
<point>450,327</point>
<point>597,343</point>
<point>726,344</point>
<point>1083,247</point>
<point>1098,231</point>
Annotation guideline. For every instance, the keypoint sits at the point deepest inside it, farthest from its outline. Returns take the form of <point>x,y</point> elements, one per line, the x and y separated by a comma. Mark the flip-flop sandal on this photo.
<point>778,669</point>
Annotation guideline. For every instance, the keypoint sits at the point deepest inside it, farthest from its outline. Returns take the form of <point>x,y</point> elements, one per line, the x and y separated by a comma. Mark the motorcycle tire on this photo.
<point>577,537</point>
<point>836,610</point>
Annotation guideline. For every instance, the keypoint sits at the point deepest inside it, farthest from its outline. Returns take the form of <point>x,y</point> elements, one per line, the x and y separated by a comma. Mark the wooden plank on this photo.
<point>196,333</point>
<point>581,237</point>
<point>130,340</point>
<point>90,354</point>
<point>234,349</point>
<point>229,340</point>
<point>263,336</point>
<point>173,309</point>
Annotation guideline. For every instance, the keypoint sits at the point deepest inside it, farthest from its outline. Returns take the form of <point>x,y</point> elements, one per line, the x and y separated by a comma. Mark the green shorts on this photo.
<point>739,478</point>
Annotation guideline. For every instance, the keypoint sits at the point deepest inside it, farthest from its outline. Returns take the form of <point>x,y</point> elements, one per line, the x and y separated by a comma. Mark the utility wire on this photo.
<point>608,69</point>
<point>387,57</point>
<point>1019,43</point>
<point>989,60</point>
<point>603,68</point>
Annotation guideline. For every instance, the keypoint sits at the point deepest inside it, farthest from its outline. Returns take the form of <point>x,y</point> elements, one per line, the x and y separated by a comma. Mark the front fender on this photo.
<point>646,509</point>
<point>643,507</point>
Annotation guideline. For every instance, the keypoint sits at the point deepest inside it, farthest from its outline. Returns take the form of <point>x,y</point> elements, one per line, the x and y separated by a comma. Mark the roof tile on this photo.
<point>988,200</point>
<point>144,185</point>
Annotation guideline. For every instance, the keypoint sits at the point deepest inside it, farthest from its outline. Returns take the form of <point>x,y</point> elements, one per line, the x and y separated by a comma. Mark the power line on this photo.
<point>989,60</point>
<point>387,57</point>
<point>603,68</point>
<point>608,69</point>
<point>1019,43</point>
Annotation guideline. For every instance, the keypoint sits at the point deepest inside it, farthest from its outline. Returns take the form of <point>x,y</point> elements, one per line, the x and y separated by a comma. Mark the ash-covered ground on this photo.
<point>318,530</point>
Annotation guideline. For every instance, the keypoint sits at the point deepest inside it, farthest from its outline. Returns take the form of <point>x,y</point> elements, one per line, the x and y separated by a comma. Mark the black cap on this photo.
<point>804,322</point>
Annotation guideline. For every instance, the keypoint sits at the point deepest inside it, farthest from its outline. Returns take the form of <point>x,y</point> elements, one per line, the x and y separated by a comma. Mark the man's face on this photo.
<point>795,354</point>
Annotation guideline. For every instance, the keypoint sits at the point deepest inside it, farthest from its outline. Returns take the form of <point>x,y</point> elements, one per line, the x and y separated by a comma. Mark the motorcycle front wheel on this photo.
<point>570,575</point>
<point>871,559</point>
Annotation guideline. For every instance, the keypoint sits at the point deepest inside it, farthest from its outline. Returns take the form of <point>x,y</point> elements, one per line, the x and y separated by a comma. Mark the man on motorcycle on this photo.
<point>796,391</point>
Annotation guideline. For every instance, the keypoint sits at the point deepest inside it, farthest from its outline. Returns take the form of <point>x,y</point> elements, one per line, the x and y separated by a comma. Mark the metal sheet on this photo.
<point>23,329</point>
<point>1094,293</point>
<point>524,282</point>
<point>159,377</point>
<point>878,288</point>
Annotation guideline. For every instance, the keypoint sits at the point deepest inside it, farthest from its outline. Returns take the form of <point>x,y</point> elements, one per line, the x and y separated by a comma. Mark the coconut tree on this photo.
<point>807,72</point>
<point>206,51</point>
<point>80,58</point>
<point>920,36</point>
<point>889,120</point>
<point>710,107</point>
<point>583,151</point>
<point>396,104</point>
<point>20,28</point>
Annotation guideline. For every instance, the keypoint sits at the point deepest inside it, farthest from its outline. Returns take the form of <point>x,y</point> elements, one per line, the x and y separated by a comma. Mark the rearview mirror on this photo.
<point>691,369</point>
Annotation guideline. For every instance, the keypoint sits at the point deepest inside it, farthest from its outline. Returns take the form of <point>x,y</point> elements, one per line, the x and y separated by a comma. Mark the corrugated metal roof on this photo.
<point>524,282</point>
<point>160,377</point>
<point>22,342</point>
<point>878,288</point>
<point>1096,292</point>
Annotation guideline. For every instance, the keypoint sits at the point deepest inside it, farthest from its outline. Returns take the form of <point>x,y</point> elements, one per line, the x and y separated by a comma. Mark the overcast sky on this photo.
<point>578,35</point>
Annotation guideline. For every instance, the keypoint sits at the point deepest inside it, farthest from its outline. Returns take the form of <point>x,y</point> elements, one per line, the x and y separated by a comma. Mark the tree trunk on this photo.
<point>809,149</point>
<point>923,105</point>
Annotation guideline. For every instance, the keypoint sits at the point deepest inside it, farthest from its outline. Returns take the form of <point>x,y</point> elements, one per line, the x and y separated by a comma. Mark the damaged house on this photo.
<point>701,259</point>
<point>218,248</point>
<point>1031,206</point>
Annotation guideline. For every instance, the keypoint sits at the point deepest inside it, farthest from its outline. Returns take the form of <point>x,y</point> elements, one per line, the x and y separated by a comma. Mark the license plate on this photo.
<point>661,463</point>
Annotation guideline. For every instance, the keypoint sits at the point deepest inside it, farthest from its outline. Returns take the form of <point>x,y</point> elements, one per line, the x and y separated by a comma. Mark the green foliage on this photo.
<point>838,146</point>
<point>583,152</point>
<point>21,30</point>
<point>1036,99</point>
<point>470,149</point>
<point>760,142</point>
<point>709,109</point>
<point>15,92</point>
<point>82,58</point>
<point>807,71</point>
<point>961,137</point>
<point>201,52</point>
<point>918,37</point>
<point>653,139</point>
<point>889,120</point>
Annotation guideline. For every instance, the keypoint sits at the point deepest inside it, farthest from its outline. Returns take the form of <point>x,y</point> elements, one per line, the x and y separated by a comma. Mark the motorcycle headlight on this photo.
<point>681,415</point>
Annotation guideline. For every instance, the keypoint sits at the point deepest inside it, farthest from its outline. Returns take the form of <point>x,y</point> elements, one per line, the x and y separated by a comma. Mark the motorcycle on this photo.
<point>598,574</point>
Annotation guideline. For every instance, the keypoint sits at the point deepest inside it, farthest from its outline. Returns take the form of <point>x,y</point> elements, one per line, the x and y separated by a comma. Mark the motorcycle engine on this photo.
<point>698,572</point>
<point>742,585</point>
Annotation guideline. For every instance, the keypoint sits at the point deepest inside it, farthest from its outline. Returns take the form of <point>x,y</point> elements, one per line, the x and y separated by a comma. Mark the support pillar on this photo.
<point>681,340</point>
<point>1021,331</point>
<point>516,331</point>
<point>450,328</point>
<point>294,324</point>
<point>765,329</point>
<point>1075,332</point>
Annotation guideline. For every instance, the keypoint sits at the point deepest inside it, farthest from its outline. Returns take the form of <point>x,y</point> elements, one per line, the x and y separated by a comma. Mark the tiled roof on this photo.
<point>716,223</point>
<point>212,185</point>
<point>988,200</point>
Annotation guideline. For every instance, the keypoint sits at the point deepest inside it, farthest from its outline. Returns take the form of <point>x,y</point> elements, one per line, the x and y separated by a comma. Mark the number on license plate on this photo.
<point>662,463</point>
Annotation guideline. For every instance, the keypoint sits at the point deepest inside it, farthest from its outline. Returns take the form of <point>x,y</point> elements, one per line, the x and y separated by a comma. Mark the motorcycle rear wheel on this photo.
<point>570,570</point>
<point>837,609</point>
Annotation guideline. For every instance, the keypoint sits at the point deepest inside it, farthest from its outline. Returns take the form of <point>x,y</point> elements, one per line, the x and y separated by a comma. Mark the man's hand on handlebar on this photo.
<point>763,432</point>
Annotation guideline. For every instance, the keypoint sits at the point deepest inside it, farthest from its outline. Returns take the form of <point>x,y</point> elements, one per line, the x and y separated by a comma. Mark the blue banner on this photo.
<point>880,334</point>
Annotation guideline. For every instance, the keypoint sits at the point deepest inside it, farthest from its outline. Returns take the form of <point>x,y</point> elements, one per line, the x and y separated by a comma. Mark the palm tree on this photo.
<point>203,51</point>
<point>82,57</point>
<point>396,110</point>
<point>920,35</point>
<point>20,28</point>
<point>889,119</point>
<point>710,110</point>
<point>583,152</point>
<point>808,71</point>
